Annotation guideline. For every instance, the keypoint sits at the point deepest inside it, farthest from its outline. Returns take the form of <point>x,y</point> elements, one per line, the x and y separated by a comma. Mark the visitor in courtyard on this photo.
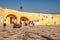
<point>4,24</point>
<point>22,22</point>
<point>15,21</point>
<point>33,23</point>
<point>26,23</point>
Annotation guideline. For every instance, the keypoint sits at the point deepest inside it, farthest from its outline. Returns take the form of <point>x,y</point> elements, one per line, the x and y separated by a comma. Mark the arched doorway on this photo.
<point>24,18</point>
<point>12,18</point>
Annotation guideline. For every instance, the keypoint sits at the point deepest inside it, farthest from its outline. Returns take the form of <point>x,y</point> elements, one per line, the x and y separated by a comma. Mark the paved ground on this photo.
<point>30,33</point>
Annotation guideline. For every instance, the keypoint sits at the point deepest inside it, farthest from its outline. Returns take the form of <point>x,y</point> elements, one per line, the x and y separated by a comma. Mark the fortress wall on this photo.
<point>43,19</point>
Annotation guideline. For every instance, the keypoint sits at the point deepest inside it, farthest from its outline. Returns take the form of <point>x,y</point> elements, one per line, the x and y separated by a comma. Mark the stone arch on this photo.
<point>23,18</point>
<point>12,18</point>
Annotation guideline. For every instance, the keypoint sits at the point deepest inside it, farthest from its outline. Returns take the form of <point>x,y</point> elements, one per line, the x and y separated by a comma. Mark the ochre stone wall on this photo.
<point>1,15</point>
<point>43,19</point>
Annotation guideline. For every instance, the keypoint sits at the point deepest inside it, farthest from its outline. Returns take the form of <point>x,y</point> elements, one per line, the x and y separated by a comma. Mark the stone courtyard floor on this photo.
<point>30,33</point>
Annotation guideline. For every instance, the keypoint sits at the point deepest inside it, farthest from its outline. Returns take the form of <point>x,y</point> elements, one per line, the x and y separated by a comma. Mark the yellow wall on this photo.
<point>44,19</point>
<point>1,15</point>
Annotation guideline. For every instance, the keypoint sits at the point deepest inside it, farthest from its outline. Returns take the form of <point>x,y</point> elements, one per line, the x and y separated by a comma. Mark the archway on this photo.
<point>12,18</point>
<point>24,19</point>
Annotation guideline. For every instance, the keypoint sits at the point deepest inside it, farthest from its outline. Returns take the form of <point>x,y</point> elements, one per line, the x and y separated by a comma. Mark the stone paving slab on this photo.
<point>31,33</point>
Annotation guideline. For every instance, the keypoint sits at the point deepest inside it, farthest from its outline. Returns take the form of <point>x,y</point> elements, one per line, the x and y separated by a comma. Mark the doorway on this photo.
<point>12,18</point>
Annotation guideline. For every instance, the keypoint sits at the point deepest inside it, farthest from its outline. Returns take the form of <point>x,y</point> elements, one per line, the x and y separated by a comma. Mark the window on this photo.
<point>42,19</point>
<point>52,17</point>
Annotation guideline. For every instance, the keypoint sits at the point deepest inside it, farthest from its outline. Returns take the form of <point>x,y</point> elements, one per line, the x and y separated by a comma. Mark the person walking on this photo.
<point>4,24</point>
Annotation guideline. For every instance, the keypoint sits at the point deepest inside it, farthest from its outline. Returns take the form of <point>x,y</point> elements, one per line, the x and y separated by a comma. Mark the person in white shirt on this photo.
<point>22,22</point>
<point>15,21</point>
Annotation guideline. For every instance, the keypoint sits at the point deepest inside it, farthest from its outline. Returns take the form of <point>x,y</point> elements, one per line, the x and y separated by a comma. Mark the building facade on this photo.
<point>40,18</point>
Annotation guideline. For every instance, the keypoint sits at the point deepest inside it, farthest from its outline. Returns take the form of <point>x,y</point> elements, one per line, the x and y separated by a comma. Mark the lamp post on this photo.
<point>21,8</point>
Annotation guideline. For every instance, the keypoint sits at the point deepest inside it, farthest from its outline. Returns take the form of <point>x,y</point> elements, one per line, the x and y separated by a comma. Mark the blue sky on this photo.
<point>44,6</point>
